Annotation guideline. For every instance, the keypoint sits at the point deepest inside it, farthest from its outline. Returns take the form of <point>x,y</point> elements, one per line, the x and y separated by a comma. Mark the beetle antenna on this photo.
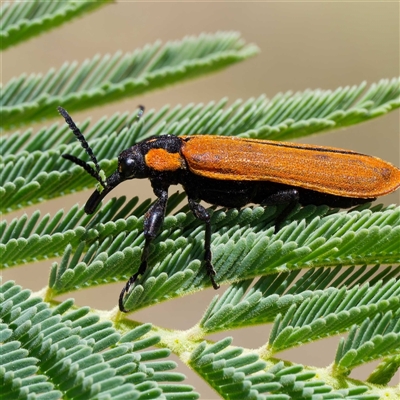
<point>95,173</point>
<point>140,112</point>
<point>138,117</point>
<point>91,171</point>
<point>79,136</point>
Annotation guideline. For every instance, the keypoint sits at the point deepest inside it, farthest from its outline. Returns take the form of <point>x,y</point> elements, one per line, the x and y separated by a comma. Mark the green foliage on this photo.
<point>385,371</point>
<point>103,79</point>
<point>320,297</point>
<point>21,21</point>
<point>66,351</point>
<point>54,350</point>
<point>107,245</point>
<point>374,338</point>
<point>236,375</point>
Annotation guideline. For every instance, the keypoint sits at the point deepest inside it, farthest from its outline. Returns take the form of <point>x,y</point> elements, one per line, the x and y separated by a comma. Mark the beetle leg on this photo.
<point>153,220</point>
<point>201,213</point>
<point>290,197</point>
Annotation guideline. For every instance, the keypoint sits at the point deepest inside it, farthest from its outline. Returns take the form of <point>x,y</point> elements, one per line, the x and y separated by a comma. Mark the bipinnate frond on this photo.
<point>376,337</point>
<point>107,247</point>
<point>66,351</point>
<point>319,304</point>
<point>26,239</point>
<point>308,112</point>
<point>54,352</point>
<point>35,171</point>
<point>332,312</point>
<point>385,371</point>
<point>236,374</point>
<point>21,21</point>
<point>103,79</point>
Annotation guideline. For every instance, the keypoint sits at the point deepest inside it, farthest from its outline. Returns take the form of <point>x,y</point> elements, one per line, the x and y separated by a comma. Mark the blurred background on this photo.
<point>303,45</point>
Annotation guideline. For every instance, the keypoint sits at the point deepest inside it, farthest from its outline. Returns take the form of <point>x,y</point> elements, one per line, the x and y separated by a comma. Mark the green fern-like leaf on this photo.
<point>314,111</point>
<point>238,375</point>
<point>375,338</point>
<point>113,242</point>
<point>333,312</point>
<point>109,78</point>
<point>62,350</point>
<point>316,306</point>
<point>21,21</point>
<point>385,371</point>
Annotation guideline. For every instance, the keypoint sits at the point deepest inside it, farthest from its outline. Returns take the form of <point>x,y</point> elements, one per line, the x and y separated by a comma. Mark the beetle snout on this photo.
<point>94,200</point>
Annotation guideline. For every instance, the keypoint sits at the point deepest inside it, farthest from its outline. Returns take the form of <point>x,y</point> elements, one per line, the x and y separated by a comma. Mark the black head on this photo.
<point>131,164</point>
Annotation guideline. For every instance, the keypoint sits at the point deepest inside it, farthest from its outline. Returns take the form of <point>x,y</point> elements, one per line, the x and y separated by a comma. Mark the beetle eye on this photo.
<point>126,167</point>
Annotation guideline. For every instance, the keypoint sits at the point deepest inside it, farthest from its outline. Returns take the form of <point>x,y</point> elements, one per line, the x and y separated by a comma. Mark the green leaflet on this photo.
<point>22,21</point>
<point>110,78</point>
<point>107,246</point>
<point>235,374</point>
<point>75,354</point>
<point>374,338</point>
